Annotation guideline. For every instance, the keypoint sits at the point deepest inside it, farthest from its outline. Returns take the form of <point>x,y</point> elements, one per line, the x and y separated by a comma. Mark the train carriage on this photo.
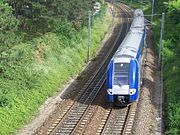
<point>124,70</point>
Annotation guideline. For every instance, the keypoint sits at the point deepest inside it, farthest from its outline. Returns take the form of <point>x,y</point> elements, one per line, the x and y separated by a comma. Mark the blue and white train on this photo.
<point>124,70</point>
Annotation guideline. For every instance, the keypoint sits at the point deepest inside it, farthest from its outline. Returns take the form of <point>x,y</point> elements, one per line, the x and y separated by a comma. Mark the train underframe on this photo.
<point>120,100</point>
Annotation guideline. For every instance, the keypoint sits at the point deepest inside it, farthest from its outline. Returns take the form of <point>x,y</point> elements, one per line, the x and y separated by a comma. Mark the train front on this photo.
<point>122,81</point>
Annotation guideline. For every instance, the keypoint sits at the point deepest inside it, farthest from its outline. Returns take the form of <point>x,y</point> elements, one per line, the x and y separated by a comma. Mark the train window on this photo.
<point>121,73</point>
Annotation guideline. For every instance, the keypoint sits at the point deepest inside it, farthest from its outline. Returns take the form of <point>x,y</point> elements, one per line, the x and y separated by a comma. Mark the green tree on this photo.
<point>38,14</point>
<point>8,27</point>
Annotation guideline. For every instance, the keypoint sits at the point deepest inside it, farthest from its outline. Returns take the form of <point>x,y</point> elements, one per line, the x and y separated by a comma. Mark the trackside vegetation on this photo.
<point>42,46</point>
<point>171,60</point>
<point>171,57</point>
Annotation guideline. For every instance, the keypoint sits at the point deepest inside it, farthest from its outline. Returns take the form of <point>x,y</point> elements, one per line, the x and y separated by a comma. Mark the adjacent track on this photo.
<point>77,114</point>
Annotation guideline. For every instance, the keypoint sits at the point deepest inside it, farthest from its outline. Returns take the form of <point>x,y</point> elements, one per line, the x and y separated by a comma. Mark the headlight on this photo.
<point>109,91</point>
<point>132,91</point>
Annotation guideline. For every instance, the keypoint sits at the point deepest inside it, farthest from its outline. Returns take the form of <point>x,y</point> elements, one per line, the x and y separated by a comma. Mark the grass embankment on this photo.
<point>172,91</point>
<point>171,60</point>
<point>36,69</point>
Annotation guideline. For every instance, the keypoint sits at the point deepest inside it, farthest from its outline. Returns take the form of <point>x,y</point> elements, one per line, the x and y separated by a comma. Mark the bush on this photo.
<point>36,69</point>
<point>171,59</point>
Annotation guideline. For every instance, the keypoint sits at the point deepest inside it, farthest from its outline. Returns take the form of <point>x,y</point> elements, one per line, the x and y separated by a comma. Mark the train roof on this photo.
<point>138,21</point>
<point>130,45</point>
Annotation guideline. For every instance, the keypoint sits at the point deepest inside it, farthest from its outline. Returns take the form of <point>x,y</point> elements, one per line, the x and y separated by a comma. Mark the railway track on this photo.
<point>77,114</point>
<point>117,121</point>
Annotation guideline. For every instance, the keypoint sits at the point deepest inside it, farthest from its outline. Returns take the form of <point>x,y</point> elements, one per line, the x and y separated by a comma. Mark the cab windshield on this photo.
<point>121,74</point>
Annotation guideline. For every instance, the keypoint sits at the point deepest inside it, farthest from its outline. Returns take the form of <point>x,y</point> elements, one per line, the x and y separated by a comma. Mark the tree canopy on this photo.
<point>30,12</point>
<point>8,26</point>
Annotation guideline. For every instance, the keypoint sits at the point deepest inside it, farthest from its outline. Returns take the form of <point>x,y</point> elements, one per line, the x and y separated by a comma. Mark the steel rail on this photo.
<point>78,109</point>
<point>82,124</point>
<point>130,119</point>
<point>86,117</point>
<point>68,122</point>
<point>117,121</point>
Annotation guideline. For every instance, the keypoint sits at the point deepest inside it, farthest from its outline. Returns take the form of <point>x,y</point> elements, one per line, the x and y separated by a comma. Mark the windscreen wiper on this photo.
<point>118,82</point>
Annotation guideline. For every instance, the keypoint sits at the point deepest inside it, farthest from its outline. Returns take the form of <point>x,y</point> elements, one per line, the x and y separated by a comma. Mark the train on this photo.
<point>124,71</point>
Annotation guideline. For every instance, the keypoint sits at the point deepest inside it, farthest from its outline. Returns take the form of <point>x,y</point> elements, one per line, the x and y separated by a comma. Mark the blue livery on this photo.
<point>125,68</point>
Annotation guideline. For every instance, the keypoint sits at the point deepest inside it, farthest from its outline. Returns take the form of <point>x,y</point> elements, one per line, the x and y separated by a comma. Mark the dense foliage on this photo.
<point>45,12</point>
<point>8,26</point>
<point>40,41</point>
<point>171,57</point>
<point>43,44</point>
